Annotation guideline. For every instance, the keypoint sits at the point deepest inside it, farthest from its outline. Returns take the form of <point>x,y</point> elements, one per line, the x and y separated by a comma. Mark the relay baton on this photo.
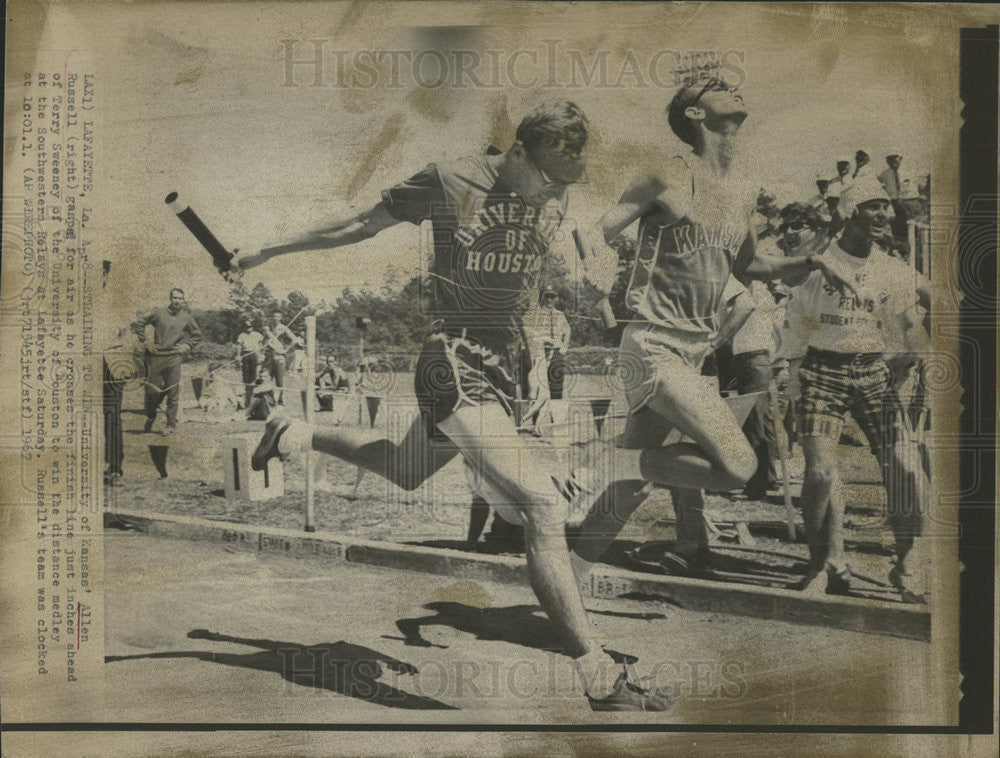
<point>220,256</point>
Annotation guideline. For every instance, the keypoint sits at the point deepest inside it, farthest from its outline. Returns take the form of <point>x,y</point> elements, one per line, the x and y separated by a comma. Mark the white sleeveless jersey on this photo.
<point>682,267</point>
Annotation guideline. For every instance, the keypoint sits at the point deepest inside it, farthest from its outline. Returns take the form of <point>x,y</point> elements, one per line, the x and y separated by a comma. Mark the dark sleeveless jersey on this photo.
<point>488,245</point>
<point>682,266</point>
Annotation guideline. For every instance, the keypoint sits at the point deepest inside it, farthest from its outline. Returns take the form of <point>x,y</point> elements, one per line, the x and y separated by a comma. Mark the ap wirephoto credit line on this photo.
<point>591,377</point>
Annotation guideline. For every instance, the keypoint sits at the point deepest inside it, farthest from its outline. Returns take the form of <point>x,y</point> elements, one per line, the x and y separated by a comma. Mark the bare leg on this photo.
<point>718,458</point>
<point>407,464</point>
<point>822,505</point>
<point>607,517</point>
<point>689,507</point>
<point>512,468</point>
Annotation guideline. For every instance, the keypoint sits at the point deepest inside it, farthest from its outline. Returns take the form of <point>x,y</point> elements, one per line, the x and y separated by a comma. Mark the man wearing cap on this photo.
<point>902,193</point>
<point>823,202</point>
<point>852,353</point>
<point>863,163</point>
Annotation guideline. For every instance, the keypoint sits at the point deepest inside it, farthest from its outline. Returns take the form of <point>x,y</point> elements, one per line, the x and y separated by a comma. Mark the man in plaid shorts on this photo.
<point>852,355</point>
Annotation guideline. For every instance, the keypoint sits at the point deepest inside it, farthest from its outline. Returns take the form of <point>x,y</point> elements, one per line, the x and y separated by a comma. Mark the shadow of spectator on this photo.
<point>342,667</point>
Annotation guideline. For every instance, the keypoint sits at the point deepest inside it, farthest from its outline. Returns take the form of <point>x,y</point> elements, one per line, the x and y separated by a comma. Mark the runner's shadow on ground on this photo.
<point>341,667</point>
<point>524,625</point>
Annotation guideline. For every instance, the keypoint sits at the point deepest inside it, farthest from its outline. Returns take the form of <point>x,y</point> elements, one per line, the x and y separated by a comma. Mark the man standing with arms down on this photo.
<point>902,191</point>
<point>175,332</point>
<point>278,340</point>
<point>248,350</point>
<point>493,218</point>
<point>852,354</point>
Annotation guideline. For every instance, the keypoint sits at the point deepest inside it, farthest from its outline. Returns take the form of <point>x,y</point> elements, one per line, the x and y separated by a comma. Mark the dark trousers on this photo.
<point>114,446</point>
<point>556,373</point>
<point>751,372</point>
<point>164,380</point>
<point>276,366</point>
<point>249,364</point>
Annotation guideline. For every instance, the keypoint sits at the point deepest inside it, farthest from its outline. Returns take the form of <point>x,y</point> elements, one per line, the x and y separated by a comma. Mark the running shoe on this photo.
<point>628,696</point>
<point>282,438</point>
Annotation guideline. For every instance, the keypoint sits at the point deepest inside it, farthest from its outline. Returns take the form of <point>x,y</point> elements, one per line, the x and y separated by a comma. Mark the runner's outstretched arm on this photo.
<point>337,232</point>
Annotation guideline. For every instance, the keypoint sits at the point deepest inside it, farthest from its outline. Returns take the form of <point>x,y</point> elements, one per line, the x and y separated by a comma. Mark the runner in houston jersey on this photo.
<point>492,219</point>
<point>488,244</point>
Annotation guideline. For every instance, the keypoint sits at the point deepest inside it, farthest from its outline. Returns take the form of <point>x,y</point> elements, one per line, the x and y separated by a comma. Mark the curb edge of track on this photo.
<point>703,595</point>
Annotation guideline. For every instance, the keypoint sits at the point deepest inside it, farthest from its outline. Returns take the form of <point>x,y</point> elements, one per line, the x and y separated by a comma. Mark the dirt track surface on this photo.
<point>197,633</point>
<point>438,512</point>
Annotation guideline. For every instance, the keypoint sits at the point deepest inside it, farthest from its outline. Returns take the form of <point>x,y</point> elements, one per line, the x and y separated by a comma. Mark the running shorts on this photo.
<point>455,370</point>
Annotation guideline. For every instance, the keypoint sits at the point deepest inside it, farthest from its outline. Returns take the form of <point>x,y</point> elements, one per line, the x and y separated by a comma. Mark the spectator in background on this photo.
<point>557,341</point>
<point>863,163</point>
<point>548,333</point>
<point>823,202</point>
<point>904,196</point>
<point>278,340</point>
<point>843,178</point>
<point>249,345</point>
<point>802,230</point>
<point>836,191</point>
<point>296,360</point>
<point>175,332</point>
<point>330,380</point>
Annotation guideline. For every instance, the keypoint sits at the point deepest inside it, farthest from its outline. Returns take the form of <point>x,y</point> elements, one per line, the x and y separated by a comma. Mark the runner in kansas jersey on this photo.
<point>493,218</point>
<point>682,264</point>
<point>694,222</point>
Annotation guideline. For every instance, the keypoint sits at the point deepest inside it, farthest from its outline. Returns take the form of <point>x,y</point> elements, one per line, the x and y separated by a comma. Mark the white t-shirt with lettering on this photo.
<point>819,316</point>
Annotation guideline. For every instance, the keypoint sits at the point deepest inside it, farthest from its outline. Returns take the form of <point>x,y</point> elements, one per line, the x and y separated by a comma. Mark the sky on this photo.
<point>191,99</point>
